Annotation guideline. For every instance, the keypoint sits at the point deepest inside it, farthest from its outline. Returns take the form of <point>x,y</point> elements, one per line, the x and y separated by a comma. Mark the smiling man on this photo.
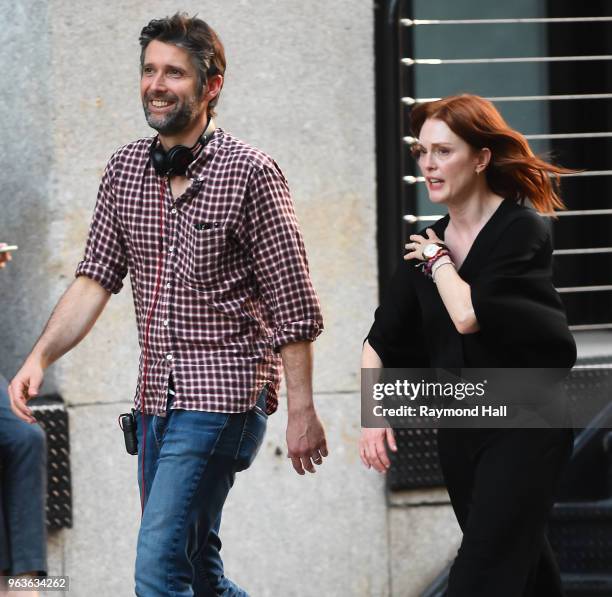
<point>205,226</point>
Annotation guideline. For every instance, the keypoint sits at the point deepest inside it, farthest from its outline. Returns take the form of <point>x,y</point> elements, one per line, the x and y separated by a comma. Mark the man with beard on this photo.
<point>205,226</point>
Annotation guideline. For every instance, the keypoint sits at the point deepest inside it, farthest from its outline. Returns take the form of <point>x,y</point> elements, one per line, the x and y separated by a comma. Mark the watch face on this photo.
<point>430,250</point>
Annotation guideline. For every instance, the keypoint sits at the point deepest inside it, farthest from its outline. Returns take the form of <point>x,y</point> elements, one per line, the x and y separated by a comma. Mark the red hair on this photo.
<point>514,171</point>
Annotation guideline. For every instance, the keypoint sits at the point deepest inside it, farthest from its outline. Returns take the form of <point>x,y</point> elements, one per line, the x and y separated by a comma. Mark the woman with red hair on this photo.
<point>487,301</point>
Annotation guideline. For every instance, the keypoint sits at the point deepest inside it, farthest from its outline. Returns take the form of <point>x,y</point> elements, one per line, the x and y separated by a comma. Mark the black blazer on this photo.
<point>522,320</point>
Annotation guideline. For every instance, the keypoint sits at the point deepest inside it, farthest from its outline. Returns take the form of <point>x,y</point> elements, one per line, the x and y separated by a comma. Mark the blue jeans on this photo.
<point>23,490</point>
<point>191,458</point>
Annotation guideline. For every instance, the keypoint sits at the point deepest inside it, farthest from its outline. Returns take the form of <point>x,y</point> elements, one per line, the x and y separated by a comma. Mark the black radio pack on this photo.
<point>127,422</point>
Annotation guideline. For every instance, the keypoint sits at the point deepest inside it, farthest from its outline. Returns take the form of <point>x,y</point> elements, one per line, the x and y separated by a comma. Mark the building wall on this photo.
<point>300,86</point>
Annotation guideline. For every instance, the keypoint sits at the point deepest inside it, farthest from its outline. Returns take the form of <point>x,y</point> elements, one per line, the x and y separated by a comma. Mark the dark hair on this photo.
<point>514,171</point>
<point>196,37</point>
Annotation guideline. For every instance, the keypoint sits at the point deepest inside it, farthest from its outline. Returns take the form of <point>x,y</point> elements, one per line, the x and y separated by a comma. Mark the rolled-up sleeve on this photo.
<point>279,259</point>
<point>105,259</point>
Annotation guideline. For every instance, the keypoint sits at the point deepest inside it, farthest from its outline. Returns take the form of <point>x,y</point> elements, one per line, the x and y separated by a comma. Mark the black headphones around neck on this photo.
<point>175,161</point>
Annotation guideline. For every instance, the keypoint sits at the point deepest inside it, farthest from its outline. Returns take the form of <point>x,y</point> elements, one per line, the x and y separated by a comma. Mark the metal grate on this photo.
<point>570,20</point>
<point>416,463</point>
<point>51,413</point>
<point>584,271</point>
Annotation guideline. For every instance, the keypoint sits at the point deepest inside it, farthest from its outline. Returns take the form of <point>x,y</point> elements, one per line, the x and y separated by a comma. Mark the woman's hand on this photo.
<point>415,247</point>
<point>373,450</point>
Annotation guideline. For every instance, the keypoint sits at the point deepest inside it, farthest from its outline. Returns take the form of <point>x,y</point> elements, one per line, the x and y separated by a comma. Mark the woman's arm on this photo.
<point>370,358</point>
<point>373,441</point>
<point>454,291</point>
<point>456,295</point>
<point>395,340</point>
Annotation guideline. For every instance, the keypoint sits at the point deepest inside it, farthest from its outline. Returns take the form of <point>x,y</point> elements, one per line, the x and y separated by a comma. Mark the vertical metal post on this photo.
<point>388,136</point>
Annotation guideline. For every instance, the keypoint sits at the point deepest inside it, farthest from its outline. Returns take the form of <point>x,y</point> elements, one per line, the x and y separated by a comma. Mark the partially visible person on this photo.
<point>4,256</point>
<point>23,479</point>
<point>486,300</point>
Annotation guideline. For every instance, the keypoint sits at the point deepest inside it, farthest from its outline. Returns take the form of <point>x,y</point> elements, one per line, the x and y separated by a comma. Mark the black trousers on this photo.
<point>502,484</point>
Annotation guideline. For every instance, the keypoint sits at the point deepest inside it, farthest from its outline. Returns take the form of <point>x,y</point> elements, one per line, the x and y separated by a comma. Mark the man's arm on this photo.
<point>305,434</point>
<point>73,317</point>
<point>274,241</point>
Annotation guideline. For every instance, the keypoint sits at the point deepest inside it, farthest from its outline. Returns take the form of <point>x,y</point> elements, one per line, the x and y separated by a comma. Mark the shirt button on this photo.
<point>171,250</point>
<point>169,357</point>
<point>169,285</point>
<point>173,211</point>
<point>165,322</point>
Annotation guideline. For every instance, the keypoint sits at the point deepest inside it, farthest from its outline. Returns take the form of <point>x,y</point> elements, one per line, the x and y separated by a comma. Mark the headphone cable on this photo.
<point>162,192</point>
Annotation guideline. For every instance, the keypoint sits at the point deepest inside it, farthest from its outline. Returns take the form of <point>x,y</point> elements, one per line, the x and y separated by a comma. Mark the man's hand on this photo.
<point>305,434</point>
<point>25,385</point>
<point>4,256</point>
<point>306,441</point>
<point>373,450</point>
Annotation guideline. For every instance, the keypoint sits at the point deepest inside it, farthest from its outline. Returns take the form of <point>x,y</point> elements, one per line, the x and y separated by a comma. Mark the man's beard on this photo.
<point>174,121</point>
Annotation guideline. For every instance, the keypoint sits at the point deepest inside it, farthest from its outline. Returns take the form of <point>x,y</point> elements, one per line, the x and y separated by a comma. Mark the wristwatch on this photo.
<point>431,250</point>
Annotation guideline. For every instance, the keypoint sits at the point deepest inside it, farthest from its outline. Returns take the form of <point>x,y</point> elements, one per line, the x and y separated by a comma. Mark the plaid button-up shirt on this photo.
<point>227,261</point>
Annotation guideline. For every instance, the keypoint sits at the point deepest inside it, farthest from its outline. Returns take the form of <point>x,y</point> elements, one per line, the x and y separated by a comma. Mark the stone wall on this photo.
<point>300,86</point>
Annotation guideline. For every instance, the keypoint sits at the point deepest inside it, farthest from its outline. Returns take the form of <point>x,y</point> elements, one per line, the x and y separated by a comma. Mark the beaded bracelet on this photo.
<point>430,262</point>
<point>428,267</point>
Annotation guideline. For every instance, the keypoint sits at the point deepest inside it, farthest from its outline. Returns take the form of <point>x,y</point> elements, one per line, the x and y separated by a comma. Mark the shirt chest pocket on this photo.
<point>202,256</point>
